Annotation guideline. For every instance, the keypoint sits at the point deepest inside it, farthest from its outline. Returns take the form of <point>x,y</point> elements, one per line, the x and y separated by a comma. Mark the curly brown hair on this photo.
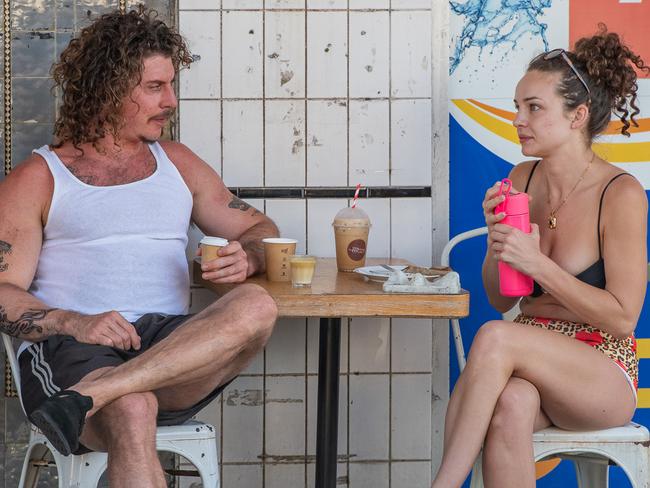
<point>101,66</point>
<point>605,63</point>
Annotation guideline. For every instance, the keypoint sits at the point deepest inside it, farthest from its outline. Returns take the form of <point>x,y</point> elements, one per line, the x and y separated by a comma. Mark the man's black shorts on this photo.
<point>60,362</point>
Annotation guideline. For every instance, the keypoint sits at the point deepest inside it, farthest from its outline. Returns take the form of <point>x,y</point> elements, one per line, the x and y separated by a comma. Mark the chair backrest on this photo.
<point>13,362</point>
<point>444,259</point>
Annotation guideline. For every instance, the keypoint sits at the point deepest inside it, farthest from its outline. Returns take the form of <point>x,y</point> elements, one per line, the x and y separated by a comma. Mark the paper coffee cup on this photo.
<point>276,253</point>
<point>210,247</point>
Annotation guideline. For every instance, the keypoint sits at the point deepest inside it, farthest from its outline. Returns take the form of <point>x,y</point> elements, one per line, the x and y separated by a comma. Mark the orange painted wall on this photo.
<point>630,20</point>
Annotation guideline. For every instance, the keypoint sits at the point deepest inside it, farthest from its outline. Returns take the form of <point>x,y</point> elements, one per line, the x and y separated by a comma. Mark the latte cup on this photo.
<point>351,228</point>
<point>302,270</point>
<point>210,247</point>
<point>277,251</point>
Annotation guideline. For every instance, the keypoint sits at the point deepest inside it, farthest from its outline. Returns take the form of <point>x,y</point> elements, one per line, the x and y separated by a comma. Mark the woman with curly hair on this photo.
<point>569,358</point>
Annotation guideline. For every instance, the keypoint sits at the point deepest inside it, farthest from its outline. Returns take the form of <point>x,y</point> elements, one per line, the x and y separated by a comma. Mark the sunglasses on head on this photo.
<point>561,52</point>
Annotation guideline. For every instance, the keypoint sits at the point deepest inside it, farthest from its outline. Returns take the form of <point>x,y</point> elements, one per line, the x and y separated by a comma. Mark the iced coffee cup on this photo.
<point>302,270</point>
<point>210,247</point>
<point>276,254</point>
<point>351,227</point>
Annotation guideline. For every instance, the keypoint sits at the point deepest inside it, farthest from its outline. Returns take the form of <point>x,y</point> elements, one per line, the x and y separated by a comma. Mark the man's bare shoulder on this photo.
<point>30,179</point>
<point>194,170</point>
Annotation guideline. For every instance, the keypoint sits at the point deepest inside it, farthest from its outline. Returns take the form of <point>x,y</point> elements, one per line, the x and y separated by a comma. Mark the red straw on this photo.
<point>356,195</point>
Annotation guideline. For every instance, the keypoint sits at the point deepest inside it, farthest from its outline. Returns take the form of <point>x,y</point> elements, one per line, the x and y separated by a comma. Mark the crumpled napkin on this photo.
<point>399,282</point>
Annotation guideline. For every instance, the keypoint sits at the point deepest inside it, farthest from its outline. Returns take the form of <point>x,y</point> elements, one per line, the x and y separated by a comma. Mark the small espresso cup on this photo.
<point>276,253</point>
<point>210,247</point>
<point>302,270</point>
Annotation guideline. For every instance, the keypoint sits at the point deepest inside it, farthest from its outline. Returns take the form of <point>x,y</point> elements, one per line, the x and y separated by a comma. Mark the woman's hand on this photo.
<point>516,248</point>
<point>491,200</point>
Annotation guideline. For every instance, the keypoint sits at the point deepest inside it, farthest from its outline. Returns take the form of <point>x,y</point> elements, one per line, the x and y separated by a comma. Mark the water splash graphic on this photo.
<point>493,23</point>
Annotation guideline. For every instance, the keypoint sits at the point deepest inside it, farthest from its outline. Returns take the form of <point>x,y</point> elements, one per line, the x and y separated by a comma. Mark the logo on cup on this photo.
<point>357,249</point>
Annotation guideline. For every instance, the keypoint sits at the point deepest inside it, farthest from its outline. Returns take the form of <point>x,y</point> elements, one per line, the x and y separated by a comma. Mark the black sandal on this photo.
<point>61,418</point>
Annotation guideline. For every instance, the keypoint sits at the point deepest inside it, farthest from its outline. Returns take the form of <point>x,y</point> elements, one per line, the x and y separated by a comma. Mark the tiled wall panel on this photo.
<point>410,54</point>
<point>285,53</point>
<point>286,351</point>
<point>369,417</point>
<point>202,134</point>
<point>241,4</point>
<point>242,59</point>
<point>285,143</point>
<point>411,229</point>
<point>243,142</point>
<point>369,142</point>
<point>326,4</point>
<point>285,417</point>
<point>327,50</point>
<point>369,345</point>
<point>410,142</point>
<point>327,143</point>
<point>203,78</point>
<point>375,475</point>
<point>290,217</point>
<point>410,400</point>
<point>369,54</point>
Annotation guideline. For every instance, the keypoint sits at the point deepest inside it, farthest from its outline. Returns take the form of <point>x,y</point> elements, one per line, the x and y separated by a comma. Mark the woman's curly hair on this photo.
<point>605,63</point>
<point>102,66</point>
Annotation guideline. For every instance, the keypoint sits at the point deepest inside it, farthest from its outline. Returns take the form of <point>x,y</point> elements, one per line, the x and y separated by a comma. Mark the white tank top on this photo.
<point>116,247</point>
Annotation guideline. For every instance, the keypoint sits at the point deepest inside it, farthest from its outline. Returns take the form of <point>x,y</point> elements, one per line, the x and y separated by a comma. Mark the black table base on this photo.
<point>327,427</point>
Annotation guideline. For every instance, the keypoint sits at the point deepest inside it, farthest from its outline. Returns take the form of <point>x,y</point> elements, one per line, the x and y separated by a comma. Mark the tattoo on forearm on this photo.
<point>25,324</point>
<point>239,203</point>
<point>5,248</point>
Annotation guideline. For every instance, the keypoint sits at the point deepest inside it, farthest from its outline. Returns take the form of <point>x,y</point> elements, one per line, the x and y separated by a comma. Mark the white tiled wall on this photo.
<point>321,93</point>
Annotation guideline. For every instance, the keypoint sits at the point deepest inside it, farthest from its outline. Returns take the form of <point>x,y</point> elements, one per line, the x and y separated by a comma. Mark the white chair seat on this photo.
<point>631,432</point>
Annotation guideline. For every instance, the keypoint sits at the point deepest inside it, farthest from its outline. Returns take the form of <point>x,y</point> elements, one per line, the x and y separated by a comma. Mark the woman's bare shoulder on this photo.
<point>520,173</point>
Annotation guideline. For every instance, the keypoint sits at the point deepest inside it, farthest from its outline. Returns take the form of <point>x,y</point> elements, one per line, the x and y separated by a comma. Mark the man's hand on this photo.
<point>230,267</point>
<point>106,329</point>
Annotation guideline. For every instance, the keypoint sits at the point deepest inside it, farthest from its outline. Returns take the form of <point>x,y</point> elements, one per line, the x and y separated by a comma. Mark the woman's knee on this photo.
<point>517,407</point>
<point>491,341</point>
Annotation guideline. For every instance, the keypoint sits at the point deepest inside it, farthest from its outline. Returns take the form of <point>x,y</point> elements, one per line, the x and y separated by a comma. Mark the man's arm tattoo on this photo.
<point>237,202</point>
<point>5,248</point>
<point>26,323</point>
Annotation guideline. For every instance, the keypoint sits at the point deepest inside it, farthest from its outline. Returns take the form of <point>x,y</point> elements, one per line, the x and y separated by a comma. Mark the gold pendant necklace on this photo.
<point>552,217</point>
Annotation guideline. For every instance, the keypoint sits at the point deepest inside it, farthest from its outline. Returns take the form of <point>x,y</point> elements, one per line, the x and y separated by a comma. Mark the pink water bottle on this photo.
<point>512,283</point>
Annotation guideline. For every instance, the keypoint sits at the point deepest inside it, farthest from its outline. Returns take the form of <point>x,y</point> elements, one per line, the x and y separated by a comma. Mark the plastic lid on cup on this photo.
<point>351,217</point>
<point>214,241</point>
<point>279,240</point>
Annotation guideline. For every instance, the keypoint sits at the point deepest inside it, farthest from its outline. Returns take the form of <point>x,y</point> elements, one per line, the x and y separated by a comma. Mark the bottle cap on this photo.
<point>515,203</point>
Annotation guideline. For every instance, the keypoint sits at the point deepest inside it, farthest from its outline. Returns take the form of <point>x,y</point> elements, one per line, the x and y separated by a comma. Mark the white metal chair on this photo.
<point>591,452</point>
<point>196,441</point>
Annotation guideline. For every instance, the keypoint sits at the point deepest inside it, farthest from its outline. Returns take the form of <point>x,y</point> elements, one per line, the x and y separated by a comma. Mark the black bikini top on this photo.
<point>594,275</point>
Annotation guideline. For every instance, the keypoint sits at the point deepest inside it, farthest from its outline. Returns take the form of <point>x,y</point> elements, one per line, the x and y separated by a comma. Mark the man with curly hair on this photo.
<point>93,275</point>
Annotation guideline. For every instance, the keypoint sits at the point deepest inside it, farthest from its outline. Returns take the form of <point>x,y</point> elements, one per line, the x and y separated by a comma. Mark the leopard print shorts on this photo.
<point>621,351</point>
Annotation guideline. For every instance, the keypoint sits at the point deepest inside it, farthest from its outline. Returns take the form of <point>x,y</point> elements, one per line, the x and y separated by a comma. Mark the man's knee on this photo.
<point>260,311</point>
<point>135,412</point>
